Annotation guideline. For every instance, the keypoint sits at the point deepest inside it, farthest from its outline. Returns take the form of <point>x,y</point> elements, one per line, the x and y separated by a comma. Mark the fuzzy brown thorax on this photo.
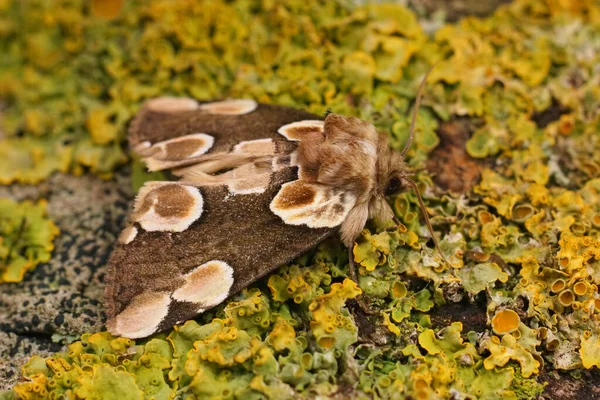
<point>352,156</point>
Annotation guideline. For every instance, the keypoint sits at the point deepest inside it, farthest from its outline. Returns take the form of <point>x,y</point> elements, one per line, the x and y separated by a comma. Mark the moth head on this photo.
<point>392,171</point>
<point>395,185</point>
<point>390,181</point>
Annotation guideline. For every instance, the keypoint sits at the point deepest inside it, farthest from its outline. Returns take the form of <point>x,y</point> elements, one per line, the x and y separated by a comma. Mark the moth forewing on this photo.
<point>190,244</point>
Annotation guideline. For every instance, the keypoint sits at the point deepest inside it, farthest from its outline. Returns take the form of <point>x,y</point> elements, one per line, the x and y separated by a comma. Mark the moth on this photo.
<point>258,185</point>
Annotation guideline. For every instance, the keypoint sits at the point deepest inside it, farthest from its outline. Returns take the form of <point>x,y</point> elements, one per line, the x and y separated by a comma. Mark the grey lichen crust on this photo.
<point>63,298</point>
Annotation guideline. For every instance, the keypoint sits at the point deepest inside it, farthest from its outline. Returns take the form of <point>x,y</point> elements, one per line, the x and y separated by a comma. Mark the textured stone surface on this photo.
<point>62,298</point>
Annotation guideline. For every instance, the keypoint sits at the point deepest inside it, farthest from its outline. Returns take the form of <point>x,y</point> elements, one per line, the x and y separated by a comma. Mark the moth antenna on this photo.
<point>424,211</point>
<point>413,122</point>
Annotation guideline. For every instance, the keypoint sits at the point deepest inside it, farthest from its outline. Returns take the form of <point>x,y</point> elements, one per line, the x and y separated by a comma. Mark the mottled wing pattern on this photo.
<point>191,244</point>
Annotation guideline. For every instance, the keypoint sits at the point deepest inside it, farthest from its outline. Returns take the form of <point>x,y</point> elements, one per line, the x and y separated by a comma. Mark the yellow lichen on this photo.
<point>505,321</point>
<point>523,239</point>
<point>502,351</point>
<point>330,325</point>
<point>26,238</point>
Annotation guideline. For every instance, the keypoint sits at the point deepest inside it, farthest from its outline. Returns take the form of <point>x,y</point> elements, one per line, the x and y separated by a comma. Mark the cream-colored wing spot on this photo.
<point>128,234</point>
<point>169,105</point>
<point>170,153</point>
<point>312,204</point>
<point>207,285</point>
<point>300,129</point>
<point>259,147</point>
<point>142,316</point>
<point>167,206</point>
<point>230,107</point>
<point>141,147</point>
<point>250,178</point>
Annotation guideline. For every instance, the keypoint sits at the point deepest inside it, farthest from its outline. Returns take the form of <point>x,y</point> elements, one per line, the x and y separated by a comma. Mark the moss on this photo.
<point>523,242</point>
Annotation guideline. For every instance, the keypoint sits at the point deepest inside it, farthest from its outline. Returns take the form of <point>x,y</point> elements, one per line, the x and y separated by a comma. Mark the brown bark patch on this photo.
<point>454,169</point>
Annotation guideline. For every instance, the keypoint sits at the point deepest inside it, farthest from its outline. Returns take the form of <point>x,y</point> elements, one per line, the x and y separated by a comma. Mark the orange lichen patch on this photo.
<point>505,321</point>
<point>566,298</point>
<point>566,124</point>
<point>580,288</point>
<point>312,204</point>
<point>399,290</point>
<point>558,285</point>
<point>597,305</point>
<point>485,217</point>
<point>170,153</point>
<point>326,342</point>
<point>230,107</point>
<point>301,129</point>
<point>141,317</point>
<point>596,220</point>
<point>206,285</point>
<point>128,234</point>
<point>522,212</point>
<point>106,8</point>
<point>165,206</point>
<point>563,261</point>
<point>171,104</point>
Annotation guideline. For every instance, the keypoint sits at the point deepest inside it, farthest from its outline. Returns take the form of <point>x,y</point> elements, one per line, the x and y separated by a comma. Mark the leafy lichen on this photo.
<point>26,238</point>
<point>525,238</point>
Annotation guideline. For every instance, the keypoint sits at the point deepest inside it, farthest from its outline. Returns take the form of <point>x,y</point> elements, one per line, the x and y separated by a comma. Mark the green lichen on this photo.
<point>525,239</point>
<point>26,238</point>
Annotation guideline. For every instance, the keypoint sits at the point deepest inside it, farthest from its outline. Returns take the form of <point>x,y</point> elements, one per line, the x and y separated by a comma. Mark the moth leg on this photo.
<point>353,275</point>
<point>397,223</point>
<point>351,265</point>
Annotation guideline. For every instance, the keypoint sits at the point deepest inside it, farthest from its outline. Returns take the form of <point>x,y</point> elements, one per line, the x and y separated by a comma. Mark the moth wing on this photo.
<point>171,132</point>
<point>187,248</point>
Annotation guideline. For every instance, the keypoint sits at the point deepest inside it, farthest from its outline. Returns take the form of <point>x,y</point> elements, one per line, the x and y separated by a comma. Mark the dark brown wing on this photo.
<point>152,125</point>
<point>156,279</point>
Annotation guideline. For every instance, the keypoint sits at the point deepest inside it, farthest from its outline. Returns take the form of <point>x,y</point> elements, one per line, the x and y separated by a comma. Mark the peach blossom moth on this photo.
<point>258,186</point>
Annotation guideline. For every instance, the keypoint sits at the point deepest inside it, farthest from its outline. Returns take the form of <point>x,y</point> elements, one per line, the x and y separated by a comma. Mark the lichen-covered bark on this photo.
<point>61,299</point>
